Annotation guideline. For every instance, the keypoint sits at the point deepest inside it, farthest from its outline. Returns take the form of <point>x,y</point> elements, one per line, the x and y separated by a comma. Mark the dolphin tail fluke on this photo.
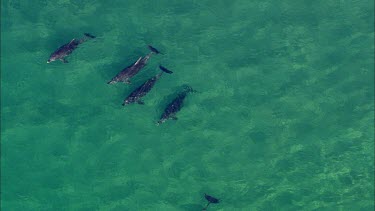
<point>165,69</point>
<point>154,50</point>
<point>89,35</point>
<point>86,37</point>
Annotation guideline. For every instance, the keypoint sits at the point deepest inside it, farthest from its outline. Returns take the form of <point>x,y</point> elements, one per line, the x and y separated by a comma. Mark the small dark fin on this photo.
<point>211,199</point>
<point>64,60</point>
<point>89,35</point>
<point>174,118</point>
<point>165,69</point>
<point>153,49</point>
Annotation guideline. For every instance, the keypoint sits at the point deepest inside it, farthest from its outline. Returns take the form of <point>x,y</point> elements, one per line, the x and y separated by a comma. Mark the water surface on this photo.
<point>283,120</point>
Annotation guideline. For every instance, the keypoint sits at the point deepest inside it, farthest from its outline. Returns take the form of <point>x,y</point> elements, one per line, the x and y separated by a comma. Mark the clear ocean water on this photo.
<point>283,120</point>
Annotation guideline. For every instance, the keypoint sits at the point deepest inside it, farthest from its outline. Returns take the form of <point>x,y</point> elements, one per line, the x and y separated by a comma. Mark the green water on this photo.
<point>283,120</point>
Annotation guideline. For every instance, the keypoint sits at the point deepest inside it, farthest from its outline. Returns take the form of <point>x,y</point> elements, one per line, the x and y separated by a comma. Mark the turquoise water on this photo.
<point>283,119</point>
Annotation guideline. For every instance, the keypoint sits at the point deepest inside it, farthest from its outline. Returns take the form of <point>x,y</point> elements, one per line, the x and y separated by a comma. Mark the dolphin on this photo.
<point>130,71</point>
<point>68,48</point>
<point>141,91</point>
<point>175,106</point>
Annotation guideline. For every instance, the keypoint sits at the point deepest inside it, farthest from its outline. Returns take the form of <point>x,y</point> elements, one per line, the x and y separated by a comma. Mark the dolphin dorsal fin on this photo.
<point>138,60</point>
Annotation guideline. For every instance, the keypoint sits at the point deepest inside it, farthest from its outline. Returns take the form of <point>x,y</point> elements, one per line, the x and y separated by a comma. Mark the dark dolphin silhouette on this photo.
<point>68,48</point>
<point>130,71</point>
<point>175,106</point>
<point>211,200</point>
<point>141,91</point>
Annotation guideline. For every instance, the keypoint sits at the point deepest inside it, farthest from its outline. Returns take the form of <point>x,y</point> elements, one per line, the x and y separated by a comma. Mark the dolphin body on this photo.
<point>67,49</point>
<point>175,106</point>
<point>130,71</point>
<point>141,91</point>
